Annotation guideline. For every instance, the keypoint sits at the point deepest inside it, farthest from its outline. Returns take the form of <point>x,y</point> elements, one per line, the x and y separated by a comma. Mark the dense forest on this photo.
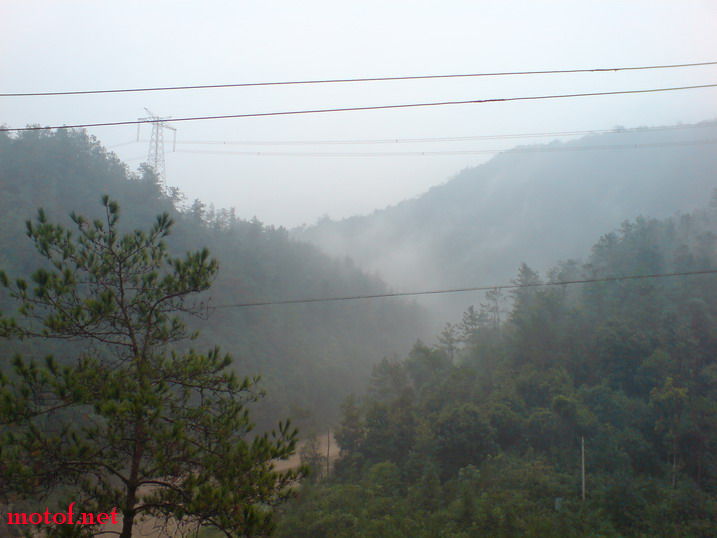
<point>323,269</point>
<point>480,434</point>
<point>309,356</point>
<point>480,431</point>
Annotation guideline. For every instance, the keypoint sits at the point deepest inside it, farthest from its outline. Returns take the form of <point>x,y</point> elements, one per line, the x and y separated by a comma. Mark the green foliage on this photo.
<point>491,438</point>
<point>310,357</point>
<point>462,436</point>
<point>312,458</point>
<point>350,432</point>
<point>136,419</point>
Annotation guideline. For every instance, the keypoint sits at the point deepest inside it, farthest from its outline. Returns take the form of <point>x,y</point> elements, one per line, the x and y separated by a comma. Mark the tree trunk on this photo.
<point>127,523</point>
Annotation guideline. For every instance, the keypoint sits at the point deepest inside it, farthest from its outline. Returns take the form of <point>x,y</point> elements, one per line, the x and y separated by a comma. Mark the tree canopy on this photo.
<point>309,356</point>
<point>480,435</point>
<point>134,418</point>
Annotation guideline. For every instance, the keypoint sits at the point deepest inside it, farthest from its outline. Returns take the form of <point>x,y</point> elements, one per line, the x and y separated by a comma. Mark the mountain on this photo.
<point>309,355</point>
<point>534,204</point>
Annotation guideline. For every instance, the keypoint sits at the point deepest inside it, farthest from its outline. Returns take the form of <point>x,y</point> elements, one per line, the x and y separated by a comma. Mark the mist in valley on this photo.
<point>384,269</point>
<point>537,204</point>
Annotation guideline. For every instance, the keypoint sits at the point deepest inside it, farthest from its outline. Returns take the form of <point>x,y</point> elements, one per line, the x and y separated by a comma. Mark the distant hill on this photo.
<point>534,204</point>
<point>310,355</point>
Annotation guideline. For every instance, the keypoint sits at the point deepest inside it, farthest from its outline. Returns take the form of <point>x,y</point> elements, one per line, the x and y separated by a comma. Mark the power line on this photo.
<point>124,144</point>
<point>538,149</point>
<point>433,139</point>
<point>354,80</point>
<point>463,290</point>
<point>362,141</point>
<point>359,108</point>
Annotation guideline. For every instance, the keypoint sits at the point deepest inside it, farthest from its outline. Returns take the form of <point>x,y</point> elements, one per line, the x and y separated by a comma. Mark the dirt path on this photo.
<point>324,439</point>
<point>150,526</point>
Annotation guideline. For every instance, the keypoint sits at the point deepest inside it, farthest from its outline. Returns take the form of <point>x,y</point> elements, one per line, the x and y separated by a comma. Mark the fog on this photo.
<point>538,204</point>
<point>177,367</point>
<point>92,45</point>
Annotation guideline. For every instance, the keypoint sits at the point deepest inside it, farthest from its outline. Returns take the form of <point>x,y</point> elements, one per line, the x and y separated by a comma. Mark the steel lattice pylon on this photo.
<point>155,152</point>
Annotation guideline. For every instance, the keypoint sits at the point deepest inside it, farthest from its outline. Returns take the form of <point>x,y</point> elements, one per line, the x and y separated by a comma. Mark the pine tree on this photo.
<point>350,432</point>
<point>493,307</point>
<point>470,324</point>
<point>137,420</point>
<point>448,340</point>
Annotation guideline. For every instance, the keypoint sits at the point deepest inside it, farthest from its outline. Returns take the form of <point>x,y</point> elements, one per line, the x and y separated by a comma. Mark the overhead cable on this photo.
<point>356,108</point>
<point>469,289</point>
<point>359,141</point>
<point>532,149</point>
<point>354,80</point>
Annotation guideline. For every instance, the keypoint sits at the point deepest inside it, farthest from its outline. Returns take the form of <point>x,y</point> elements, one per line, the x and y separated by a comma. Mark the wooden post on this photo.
<point>328,451</point>
<point>582,467</point>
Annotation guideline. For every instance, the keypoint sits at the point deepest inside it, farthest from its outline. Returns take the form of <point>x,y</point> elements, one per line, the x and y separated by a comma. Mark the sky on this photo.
<point>80,45</point>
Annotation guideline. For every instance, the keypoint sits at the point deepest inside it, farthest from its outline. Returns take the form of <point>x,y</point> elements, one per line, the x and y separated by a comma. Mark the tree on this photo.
<point>470,325</point>
<point>311,456</point>
<point>493,307</point>
<point>350,432</point>
<point>137,420</point>
<point>448,340</point>
<point>670,401</point>
<point>462,436</point>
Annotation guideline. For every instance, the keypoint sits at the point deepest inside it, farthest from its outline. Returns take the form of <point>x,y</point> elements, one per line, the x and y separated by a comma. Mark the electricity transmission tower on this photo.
<point>155,153</point>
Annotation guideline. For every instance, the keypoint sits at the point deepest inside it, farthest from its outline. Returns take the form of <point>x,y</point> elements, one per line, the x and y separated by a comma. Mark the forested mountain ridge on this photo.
<point>534,204</point>
<point>310,356</point>
<point>481,433</point>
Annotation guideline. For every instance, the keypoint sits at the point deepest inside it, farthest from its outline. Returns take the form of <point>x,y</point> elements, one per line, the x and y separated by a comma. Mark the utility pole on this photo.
<point>155,152</point>
<point>328,451</point>
<point>582,467</point>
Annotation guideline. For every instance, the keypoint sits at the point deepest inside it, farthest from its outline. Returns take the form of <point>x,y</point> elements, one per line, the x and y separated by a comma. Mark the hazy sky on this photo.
<point>68,45</point>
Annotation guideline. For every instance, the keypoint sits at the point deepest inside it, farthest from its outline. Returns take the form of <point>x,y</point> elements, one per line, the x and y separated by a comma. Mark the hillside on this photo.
<point>310,356</point>
<point>484,434</point>
<point>533,204</point>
